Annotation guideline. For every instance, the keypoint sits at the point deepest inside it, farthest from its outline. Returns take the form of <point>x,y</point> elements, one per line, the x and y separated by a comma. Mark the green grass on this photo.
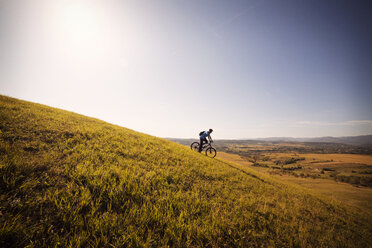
<point>72,181</point>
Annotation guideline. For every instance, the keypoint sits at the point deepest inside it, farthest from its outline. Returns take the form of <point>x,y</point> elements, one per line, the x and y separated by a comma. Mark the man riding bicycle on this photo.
<point>203,138</point>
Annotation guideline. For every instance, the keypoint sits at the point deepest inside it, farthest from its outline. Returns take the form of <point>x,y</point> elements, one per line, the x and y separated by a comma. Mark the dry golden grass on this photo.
<point>233,158</point>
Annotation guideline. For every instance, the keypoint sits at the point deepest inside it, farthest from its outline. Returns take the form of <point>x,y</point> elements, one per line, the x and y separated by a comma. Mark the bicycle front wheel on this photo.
<point>195,146</point>
<point>211,152</point>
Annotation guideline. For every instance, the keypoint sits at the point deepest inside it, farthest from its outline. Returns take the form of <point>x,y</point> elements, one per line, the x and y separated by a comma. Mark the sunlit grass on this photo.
<point>72,181</point>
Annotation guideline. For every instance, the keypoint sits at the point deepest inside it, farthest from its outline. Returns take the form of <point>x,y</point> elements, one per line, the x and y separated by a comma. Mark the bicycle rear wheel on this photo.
<point>211,152</point>
<point>195,146</point>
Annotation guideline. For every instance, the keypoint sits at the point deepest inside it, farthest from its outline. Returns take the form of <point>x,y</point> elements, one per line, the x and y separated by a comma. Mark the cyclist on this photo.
<point>203,138</point>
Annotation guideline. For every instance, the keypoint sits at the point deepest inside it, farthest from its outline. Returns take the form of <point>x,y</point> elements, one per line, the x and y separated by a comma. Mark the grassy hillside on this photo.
<point>68,181</point>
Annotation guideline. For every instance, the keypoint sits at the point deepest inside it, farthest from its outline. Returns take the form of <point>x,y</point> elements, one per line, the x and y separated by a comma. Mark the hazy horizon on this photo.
<point>274,137</point>
<point>247,69</point>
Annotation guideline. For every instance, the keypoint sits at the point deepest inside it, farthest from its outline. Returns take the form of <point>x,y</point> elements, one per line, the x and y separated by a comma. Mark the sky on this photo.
<point>247,69</point>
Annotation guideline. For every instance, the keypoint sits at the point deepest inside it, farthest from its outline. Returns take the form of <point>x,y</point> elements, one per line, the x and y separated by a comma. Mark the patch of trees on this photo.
<point>356,180</point>
<point>291,160</point>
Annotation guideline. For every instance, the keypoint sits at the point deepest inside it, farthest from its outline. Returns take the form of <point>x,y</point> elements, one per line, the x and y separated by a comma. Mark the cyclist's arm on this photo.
<point>210,138</point>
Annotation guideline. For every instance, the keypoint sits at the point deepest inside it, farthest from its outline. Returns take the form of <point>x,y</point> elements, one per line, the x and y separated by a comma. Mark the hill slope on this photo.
<point>69,180</point>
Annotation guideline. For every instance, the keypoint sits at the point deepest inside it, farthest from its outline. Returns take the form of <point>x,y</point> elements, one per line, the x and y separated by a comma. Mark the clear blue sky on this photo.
<point>173,68</point>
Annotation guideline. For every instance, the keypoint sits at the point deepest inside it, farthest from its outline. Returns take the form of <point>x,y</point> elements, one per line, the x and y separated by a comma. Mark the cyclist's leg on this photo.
<point>201,144</point>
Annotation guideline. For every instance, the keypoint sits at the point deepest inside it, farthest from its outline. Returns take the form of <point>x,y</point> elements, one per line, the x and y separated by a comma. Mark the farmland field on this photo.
<point>359,197</point>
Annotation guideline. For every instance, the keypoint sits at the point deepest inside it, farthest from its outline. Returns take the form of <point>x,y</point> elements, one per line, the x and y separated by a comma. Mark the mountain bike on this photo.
<point>210,151</point>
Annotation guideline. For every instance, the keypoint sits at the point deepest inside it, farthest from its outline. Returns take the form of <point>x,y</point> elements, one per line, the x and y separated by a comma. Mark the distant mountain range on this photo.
<point>353,140</point>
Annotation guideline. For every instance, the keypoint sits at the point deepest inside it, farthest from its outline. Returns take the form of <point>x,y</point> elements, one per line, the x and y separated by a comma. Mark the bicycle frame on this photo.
<point>206,145</point>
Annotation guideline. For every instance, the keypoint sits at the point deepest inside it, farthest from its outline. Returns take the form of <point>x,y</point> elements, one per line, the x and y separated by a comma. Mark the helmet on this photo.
<point>210,130</point>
